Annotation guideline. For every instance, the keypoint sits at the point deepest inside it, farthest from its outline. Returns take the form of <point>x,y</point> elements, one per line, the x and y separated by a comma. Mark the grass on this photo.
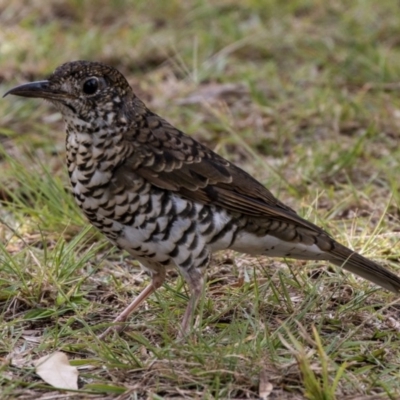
<point>303,94</point>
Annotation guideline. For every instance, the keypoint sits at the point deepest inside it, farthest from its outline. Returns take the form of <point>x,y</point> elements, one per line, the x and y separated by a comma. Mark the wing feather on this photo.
<point>171,160</point>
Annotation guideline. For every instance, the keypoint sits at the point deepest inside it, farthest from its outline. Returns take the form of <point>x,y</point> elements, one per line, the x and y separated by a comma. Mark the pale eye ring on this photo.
<point>90,86</point>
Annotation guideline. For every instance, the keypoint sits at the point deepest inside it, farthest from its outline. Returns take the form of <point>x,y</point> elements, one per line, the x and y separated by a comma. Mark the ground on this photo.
<point>302,94</point>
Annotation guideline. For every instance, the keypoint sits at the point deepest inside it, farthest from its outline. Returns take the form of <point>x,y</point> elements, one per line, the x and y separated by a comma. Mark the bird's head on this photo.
<point>85,92</point>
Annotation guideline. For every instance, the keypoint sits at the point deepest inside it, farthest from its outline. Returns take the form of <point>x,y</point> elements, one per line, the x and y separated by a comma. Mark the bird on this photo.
<point>167,199</point>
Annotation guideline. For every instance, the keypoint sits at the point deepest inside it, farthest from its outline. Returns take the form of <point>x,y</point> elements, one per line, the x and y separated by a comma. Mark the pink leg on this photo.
<point>195,281</point>
<point>156,281</point>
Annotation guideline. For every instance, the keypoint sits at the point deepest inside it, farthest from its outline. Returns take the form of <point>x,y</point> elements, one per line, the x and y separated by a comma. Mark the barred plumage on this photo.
<point>164,197</point>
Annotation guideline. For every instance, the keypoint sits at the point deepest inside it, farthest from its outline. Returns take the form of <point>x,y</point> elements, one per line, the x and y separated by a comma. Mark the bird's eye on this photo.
<point>90,86</point>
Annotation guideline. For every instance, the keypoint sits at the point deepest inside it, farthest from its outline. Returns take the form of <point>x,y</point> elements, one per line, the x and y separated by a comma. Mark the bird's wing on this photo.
<point>171,160</point>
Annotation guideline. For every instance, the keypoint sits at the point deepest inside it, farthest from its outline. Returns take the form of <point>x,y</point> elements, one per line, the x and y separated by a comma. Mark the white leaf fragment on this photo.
<point>55,370</point>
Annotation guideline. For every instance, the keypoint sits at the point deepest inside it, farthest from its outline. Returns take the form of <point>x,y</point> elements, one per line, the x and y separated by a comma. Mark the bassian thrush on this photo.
<point>165,198</point>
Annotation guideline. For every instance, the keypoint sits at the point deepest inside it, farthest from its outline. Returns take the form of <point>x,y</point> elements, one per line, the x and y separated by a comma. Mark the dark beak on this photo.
<point>39,89</point>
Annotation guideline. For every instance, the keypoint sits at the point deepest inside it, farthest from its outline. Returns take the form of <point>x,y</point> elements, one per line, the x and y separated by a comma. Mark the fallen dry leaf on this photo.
<point>265,388</point>
<point>55,370</point>
<point>215,92</point>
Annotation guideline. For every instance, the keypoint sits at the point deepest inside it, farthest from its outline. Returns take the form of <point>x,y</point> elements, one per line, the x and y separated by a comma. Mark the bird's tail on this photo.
<point>367,269</point>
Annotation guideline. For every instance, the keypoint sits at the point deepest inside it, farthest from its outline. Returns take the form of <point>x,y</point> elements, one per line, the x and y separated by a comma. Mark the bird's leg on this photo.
<point>195,280</point>
<point>157,280</point>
